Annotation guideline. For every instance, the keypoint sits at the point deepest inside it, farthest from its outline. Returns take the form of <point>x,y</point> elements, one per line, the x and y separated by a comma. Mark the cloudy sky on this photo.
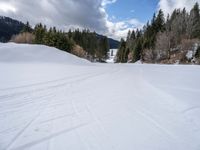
<point>110,17</point>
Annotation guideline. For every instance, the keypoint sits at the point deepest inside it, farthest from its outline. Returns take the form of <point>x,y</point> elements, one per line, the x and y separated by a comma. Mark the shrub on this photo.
<point>25,37</point>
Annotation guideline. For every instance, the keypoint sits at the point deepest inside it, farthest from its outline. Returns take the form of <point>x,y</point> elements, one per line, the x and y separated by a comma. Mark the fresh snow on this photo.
<point>111,58</point>
<point>189,55</point>
<point>51,100</point>
<point>25,53</point>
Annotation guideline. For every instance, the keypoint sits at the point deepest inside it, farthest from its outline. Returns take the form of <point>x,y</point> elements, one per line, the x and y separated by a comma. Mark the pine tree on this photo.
<point>39,33</point>
<point>137,51</point>
<point>194,22</point>
<point>160,22</point>
<point>27,28</point>
<point>121,54</point>
<point>133,35</point>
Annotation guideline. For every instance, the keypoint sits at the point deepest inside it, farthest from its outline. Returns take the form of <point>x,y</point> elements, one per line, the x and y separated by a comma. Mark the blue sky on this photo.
<point>126,9</point>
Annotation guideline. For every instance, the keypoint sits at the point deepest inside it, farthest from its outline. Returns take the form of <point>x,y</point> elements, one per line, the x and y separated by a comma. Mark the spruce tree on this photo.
<point>39,33</point>
<point>160,21</point>
<point>121,54</point>
<point>194,22</point>
<point>27,28</point>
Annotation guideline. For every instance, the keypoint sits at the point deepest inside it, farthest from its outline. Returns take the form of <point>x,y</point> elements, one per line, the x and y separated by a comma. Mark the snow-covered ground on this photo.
<point>111,55</point>
<point>50,100</point>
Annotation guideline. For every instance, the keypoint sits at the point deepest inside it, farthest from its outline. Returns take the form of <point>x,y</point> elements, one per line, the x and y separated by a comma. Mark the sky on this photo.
<point>109,17</point>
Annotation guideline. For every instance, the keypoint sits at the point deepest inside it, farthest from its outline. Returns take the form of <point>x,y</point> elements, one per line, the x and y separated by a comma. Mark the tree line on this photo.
<point>160,36</point>
<point>95,47</point>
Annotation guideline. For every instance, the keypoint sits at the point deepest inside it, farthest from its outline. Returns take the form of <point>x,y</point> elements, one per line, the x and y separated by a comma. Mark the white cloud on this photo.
<point>120,29</point>
<point>169,5</point>
<point>4,7</point>
<point>67,14</point>
<point>61,13</point>
<point>106,2</point>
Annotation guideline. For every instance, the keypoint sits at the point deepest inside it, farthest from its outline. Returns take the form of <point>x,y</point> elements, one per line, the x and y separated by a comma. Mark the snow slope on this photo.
<point>36,53</point>
<point>73,105</point>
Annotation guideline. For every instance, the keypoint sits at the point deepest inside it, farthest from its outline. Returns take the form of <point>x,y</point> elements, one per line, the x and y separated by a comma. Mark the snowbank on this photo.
<point>11,52</point>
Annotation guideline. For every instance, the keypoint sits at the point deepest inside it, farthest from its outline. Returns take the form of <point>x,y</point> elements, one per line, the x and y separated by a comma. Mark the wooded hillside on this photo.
<point>164,40</point>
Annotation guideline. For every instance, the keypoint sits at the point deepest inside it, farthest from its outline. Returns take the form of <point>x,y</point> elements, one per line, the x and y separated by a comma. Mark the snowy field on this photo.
<point>51,100</point>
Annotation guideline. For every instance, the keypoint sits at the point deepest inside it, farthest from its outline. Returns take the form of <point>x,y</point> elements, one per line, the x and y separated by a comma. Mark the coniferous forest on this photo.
<point>90,45</point>
<point>164,39</point>
<point>82,43</point>
<point>167,39</point>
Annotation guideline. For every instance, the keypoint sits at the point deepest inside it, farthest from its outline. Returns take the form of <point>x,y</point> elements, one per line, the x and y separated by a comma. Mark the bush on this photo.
<point>78,51</point>
<point>25,37</point>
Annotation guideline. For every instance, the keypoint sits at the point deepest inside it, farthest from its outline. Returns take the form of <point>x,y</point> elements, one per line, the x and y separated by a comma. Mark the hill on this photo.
<point>25,53</point>
<point>83,43</point>
<point>175,39</point>
<point>113,44</point>
<point>9,27</point>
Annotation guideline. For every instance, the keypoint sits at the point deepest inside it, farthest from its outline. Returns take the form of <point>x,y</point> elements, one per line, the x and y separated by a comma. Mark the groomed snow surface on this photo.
<point>51,100</point>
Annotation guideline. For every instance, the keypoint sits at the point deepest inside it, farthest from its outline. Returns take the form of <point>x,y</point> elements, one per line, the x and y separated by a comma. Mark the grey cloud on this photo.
<point>67,14</point>
<point>169,5</point>
<point>62,13</point>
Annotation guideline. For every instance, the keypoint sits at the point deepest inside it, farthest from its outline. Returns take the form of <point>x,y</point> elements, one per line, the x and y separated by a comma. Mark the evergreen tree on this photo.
<point>160,22</point>
<point>137,50</point>
<point>159,37</point>
<point>133,35</point>
<point>122,52</point>
<point>194,22</point>
<point>27,28</point>
<point>39,33</point>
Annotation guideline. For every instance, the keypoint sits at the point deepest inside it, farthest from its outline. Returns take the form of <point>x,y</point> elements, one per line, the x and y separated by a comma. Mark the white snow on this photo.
<point>70,104</point>
<point>189,55</point>
<point>138,62</point>
<point>111,55</point>
<point>25,53</point>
